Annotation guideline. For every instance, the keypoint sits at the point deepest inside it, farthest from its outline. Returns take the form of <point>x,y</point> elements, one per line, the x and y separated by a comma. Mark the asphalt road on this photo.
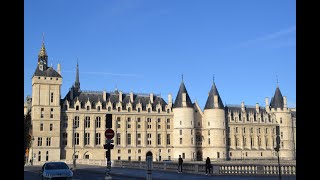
<point>90,172</point>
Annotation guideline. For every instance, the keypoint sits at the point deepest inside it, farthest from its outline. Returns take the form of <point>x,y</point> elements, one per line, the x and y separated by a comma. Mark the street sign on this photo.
<point>109,141</point>
<point>109,133</point>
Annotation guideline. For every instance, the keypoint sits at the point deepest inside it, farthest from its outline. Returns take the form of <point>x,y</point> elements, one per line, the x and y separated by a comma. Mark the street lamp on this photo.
<point>32,150</point>
<point>74,146</point>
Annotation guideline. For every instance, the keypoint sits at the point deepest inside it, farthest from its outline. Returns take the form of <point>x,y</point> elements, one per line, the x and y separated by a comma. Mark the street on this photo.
<point>91,172</point>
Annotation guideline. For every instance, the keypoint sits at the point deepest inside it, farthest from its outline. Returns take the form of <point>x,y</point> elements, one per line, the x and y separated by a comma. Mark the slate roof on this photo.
<point>210,101</point>
<point>178,101</point>
<point>50,72</point>
<point>277,100</point>
<point>113,97</point>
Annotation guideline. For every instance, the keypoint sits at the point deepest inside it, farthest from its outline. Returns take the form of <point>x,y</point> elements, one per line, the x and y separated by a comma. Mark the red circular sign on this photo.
<point>109,133</point>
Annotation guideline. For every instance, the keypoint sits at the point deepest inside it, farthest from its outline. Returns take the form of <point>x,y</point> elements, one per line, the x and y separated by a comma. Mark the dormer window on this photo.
<point>148,110</point>
<point>88,108</point>
<point>98,108</point>
<point>77,108</point>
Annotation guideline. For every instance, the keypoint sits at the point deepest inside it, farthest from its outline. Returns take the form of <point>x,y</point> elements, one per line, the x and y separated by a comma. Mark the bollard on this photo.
<point>149,163</point>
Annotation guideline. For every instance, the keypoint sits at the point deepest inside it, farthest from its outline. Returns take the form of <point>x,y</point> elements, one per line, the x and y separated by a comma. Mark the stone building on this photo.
<point>76,123</point>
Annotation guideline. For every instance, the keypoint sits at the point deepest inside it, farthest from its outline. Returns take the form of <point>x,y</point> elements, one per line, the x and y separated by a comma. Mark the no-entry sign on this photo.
<point>109,133</point>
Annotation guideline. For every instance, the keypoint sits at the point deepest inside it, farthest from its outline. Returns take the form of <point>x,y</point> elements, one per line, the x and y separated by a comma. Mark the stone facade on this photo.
<point>75,124</point>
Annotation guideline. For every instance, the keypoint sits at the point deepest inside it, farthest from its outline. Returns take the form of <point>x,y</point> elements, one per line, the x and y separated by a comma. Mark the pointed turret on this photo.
<point>77,82</point>
<point>213,102</point>
<point>277,100</point>
<point>182,97</point>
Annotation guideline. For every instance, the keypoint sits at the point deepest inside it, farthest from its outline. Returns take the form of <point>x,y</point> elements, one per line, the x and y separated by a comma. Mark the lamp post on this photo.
<point>74,146</point>
<point>32,150</point>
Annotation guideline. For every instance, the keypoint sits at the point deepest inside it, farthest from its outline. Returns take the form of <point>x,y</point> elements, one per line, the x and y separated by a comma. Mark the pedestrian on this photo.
<point>180,164</point>
<point>208,166</point>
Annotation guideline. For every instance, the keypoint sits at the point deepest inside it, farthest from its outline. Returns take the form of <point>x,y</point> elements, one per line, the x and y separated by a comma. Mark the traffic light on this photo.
<point>108,146</point>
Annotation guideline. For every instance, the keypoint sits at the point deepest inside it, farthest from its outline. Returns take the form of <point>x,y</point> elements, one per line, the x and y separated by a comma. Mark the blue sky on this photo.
<point>145,46</point>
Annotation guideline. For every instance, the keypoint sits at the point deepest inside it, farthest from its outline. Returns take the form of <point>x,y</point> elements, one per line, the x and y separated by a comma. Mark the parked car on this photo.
<point>56,170</point>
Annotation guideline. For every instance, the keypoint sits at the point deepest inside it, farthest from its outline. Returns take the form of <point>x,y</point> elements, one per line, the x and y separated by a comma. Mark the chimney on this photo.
<point>151,98</point>
<point>284,102</point>
<point>59,68</point>
<point>267,105</point>
<point>131,97</point>
<point>120,96</point>
<point>215,101</point>
<point>184,99</point>
<point>169,98</point>
<point>257,107</point>
<point>242,106</point>
<point>104,95</point>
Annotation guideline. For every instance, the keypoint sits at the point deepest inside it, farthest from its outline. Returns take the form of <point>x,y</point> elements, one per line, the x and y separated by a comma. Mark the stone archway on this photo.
<point>149,153</point>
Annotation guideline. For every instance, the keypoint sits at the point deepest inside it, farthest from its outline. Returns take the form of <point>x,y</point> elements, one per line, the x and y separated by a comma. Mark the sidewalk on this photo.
<point>170,175</point>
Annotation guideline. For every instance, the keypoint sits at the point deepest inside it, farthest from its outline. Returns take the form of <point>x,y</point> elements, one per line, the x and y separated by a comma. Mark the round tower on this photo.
<point>214,127</point>
<point>283,117</point>
<point>183,126</point>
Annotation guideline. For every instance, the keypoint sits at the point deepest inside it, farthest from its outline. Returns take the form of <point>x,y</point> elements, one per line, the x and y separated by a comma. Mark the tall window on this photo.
<point>118,122</point>
<point>76,121</point>
<point>47,156</point>
<point>208,140</point>
<point>51,126</point>
<point>192,140</point>
<point>87,122</point>
<point>48,141</point>
<point>98,122</point>
<point>118,139</point>
<point>87,139</point>
<point>51,113</point>
<point>208,132</point>
<point>149,139</point>
<point>39,141</point>
<point>41,126</point>
<point>191,132</point>
<point>129,139</point>
<point>98,138</point>
<point>180,140</point>
<point>39,156</point>
<point>42,113</point>
<point>139,139</point>
<point>168,139</point>
<point>180,132</point>
<point>51,98</point>
<point>252,142</point>
<point>129,123</point>
<point>76,138</point>
<point>168,123</point>
<point>159,139</point>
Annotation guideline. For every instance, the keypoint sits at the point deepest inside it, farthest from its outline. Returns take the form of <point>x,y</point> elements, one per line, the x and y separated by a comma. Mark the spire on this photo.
<point>179,98</point>
<point>182,77</point>
<point>277,100</point>
<point>211,101</point>
<point>277,80</point>
<point>77,82</point>
<point>42,52</point>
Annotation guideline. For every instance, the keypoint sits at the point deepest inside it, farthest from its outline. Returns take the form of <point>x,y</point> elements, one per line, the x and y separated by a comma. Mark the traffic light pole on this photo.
<point>277,148</point>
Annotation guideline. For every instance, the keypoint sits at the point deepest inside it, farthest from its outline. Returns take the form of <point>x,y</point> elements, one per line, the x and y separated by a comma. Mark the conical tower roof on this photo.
<point>178,101</point>
<point>210,101</point>
<point>277,100</point>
